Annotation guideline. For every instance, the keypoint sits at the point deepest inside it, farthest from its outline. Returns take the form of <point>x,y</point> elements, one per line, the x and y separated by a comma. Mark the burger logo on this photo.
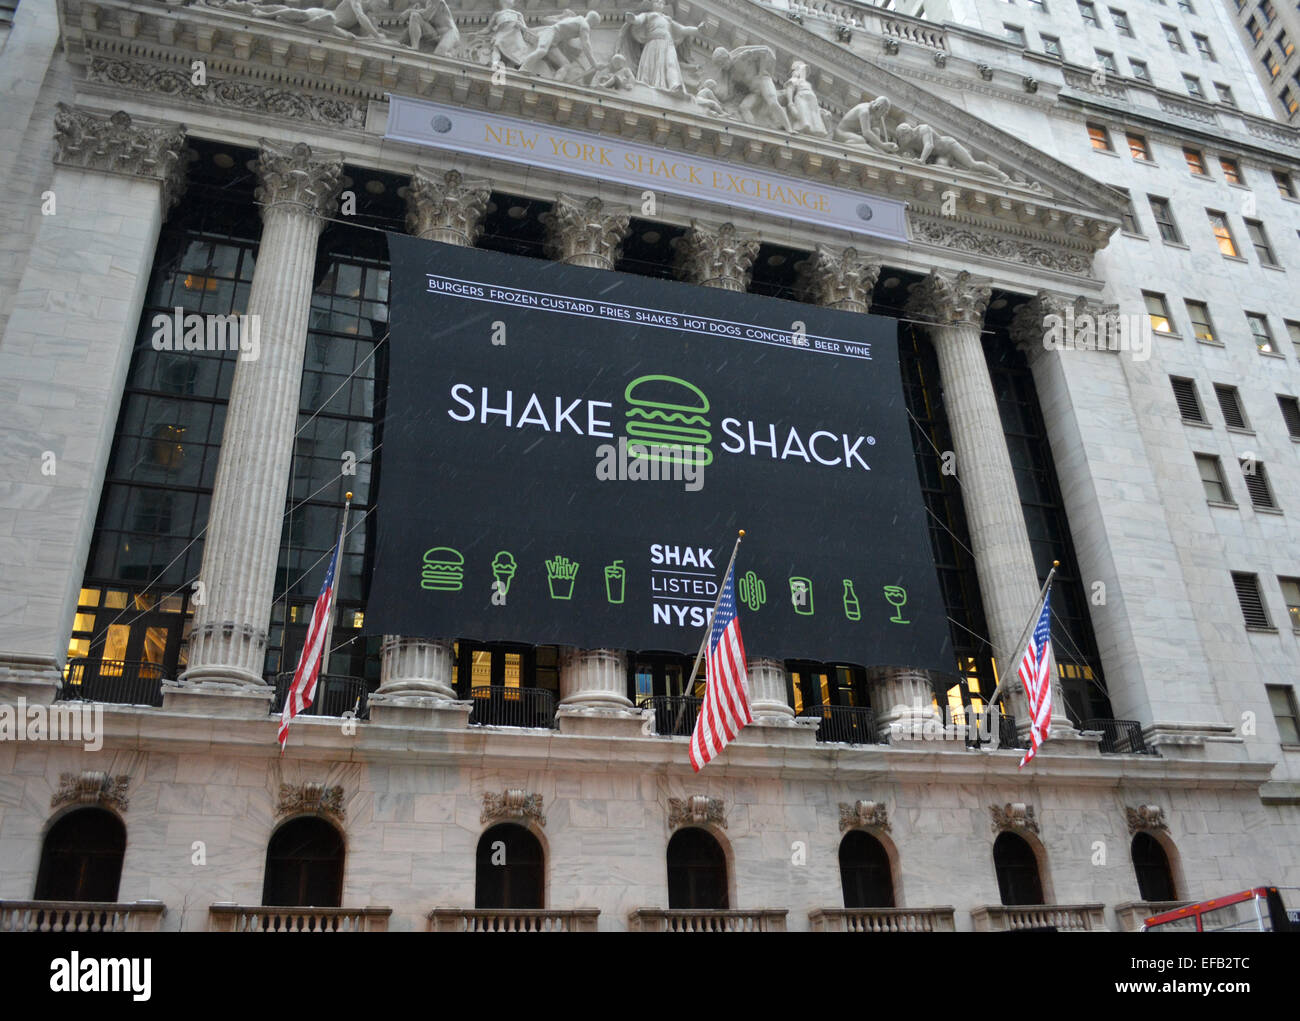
<point>666,422</point>
<point>444,569</point>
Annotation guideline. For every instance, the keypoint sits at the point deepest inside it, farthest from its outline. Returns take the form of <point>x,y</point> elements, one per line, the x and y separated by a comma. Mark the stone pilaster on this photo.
<point>241,551</point>
<point>1003,558</point>
<point>721,257</point>
<point>443,206</point>
<point>841,279</point>
<point>768,698</point>
<point>585,232</point>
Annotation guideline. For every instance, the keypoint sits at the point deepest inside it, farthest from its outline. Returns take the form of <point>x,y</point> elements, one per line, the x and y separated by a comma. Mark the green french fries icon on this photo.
<point>560,573</point>
<point>753,593</point>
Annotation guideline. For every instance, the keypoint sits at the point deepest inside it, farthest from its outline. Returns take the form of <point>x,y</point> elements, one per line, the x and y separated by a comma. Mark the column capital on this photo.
<point>1048,313</point>
<point>585,232</point>
<point>294,174</point>
<point>840,278</point>
<point>445,206</point>
<point>950,298</point>
<point>120,144</point>
<point>720,257</point>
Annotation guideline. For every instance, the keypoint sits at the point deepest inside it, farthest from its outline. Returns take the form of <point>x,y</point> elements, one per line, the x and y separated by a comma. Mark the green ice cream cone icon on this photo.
<point>503,570</point>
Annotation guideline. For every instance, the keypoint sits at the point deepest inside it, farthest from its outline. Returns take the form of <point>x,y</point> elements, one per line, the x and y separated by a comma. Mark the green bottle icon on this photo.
<point>852,609</point>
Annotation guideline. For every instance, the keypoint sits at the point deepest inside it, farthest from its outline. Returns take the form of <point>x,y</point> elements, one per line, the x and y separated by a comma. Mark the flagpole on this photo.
<point>334,601</point>
<point>709,625</point>
<point>1020,646</point>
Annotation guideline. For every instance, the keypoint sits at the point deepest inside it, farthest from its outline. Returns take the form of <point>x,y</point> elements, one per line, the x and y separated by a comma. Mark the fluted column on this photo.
<point>1008,580</point>
<point>440,206</point>
<point>241,550</point>
<point>588,232</point>
<point>721,257</point>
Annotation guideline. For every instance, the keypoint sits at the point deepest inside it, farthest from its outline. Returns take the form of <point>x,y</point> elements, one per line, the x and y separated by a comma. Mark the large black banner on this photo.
<point>568,454</point>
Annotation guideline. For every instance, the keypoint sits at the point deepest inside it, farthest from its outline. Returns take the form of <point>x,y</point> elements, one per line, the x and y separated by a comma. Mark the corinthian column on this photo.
<point>1008,580</point>
<point>440,206</point>
<point>719,258</point>
<point>587,232</point>
<point>241,551</point>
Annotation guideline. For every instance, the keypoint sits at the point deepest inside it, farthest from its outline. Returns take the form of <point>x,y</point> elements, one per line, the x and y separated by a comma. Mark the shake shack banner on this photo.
<point>569,453</point>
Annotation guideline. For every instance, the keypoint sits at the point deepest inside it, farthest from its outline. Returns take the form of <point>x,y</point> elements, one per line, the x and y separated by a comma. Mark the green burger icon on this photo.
<point>666,422</point>
<point>444,569</point>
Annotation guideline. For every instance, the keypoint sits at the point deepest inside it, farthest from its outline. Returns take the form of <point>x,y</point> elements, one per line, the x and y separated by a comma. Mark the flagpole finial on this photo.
<point>742,533</point>
<point>347,495</point>
<point>1055,563</point>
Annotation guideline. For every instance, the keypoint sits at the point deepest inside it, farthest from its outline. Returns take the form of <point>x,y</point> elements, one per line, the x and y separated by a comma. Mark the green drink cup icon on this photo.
<point>801,596</point>
<point>615,581</point>
<point>896,596</point>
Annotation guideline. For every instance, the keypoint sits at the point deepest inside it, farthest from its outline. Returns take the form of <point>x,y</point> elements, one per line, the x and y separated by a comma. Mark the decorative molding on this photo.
<point>717,258</point>
<point>585,232</point>
<point>963,239</point>
<point>312,798</point>
<point>295,175</point>
<point>863,813</point>
<point>445,207</point>
<point>118,144</point>
<point>1030,83</point>
<point>1145,817</point>
<point>986,72</point>
<point>292,104</point>
<point>1014,815</point>
<point>696,810</point>
<point>1029,326</point>
<point>92,788</point>
<point>841,278</point>
<point>948,298</point>
<point>513,803</point>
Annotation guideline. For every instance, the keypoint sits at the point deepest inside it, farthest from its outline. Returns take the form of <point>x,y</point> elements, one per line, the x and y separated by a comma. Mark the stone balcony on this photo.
<point>1063,917</point>
<point>80,916</point>
<point>248,918</point>
<point>512,920</point>
<point>659,920</point>
<point>939,919</point>
<point>1131,914</point>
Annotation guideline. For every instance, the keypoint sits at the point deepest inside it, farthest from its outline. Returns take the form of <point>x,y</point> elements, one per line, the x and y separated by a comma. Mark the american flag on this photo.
<point>1036,677</point>
<point>303,690</point>
<point>726,684</point>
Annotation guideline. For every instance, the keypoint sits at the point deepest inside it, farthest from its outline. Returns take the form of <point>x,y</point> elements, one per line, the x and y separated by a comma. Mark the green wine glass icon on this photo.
<point>896,596</point>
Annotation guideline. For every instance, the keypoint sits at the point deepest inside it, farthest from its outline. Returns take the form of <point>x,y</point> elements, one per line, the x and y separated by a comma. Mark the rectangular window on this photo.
<point>1216,490</point>
<point>1100,137</point>
<point>1088,11</point>
<point>1193,86</point>
<point>1293,331</point>
<point>1284,44</point>
<point>1230,405</point>
<point>1015,34</point>
<point>1174,39</point>
<point>1140,70</point>
<point>1038,5</point>
<point>1202,327</point>
<point>1051,45</point>
<point>1158,313</point>
<point>1107,60</point>
<point>1195,162</point>
<point>1121,22</point>
<point>1186,5</point>
<point>1281,699</point>
<point>1137,147</point>
<point>1252,603</point>
<point>1203,45</point>
<point>1225,94</point>
<point>1164,220</point>
<point>1289,101</point>
<point>1231,170</point>
<point>1290,414</point>
<point>1266,9</point>
<point>1260,330</point>
<point>1128,218</point>
<point>1291,596</point>
<point>1261,493</point>
<point>1272,66</point>
<point>1255,229</point>
<point>1223,234</point>
<point>1187,399</point>
<point>1285,187</point>
<point>1252,26</point>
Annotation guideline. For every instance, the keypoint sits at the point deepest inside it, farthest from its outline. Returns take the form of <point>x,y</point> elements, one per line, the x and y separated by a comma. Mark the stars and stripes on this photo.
<point>1036,677</point>
<point>303,690</point>
<point>726,683</point>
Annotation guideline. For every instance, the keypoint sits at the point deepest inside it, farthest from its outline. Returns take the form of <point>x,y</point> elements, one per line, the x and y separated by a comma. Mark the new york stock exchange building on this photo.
<point>538,308</point>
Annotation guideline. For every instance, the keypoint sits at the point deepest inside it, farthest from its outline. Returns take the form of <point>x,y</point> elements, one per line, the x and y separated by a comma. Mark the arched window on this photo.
<point>865,872</point>
<point>82,857</point>
<point>1017,870</point>
<point>697,871</point>
<point>509,870</point>
<point>1155,880</point>
<point>304,865</point>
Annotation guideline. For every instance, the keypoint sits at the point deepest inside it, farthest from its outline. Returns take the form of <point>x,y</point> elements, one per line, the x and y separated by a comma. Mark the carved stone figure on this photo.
<point>512,39</point>
<point>805,110</point>
<point>946,151</point>
<point>706,97</point>
<point>650,40</point>
<point>346,18</point>
<point>747,71</point>
<point>614,75</point>
<point>433,20</point>
<point>857,126</point>
<point>566,32</point>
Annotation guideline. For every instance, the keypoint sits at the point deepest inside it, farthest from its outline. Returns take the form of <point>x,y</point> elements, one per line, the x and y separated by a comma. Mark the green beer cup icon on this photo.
<point>615,581</point>
<point>801,596</point>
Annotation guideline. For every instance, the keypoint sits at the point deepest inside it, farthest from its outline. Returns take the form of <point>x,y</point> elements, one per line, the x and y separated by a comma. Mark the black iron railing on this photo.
<point>675,715</point>
<point>1119,737</point>
<point>123,682</point>
<point>1006,730</point>
<point>847,724</point>
<point>336,694</point>
<point>512,707</point>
